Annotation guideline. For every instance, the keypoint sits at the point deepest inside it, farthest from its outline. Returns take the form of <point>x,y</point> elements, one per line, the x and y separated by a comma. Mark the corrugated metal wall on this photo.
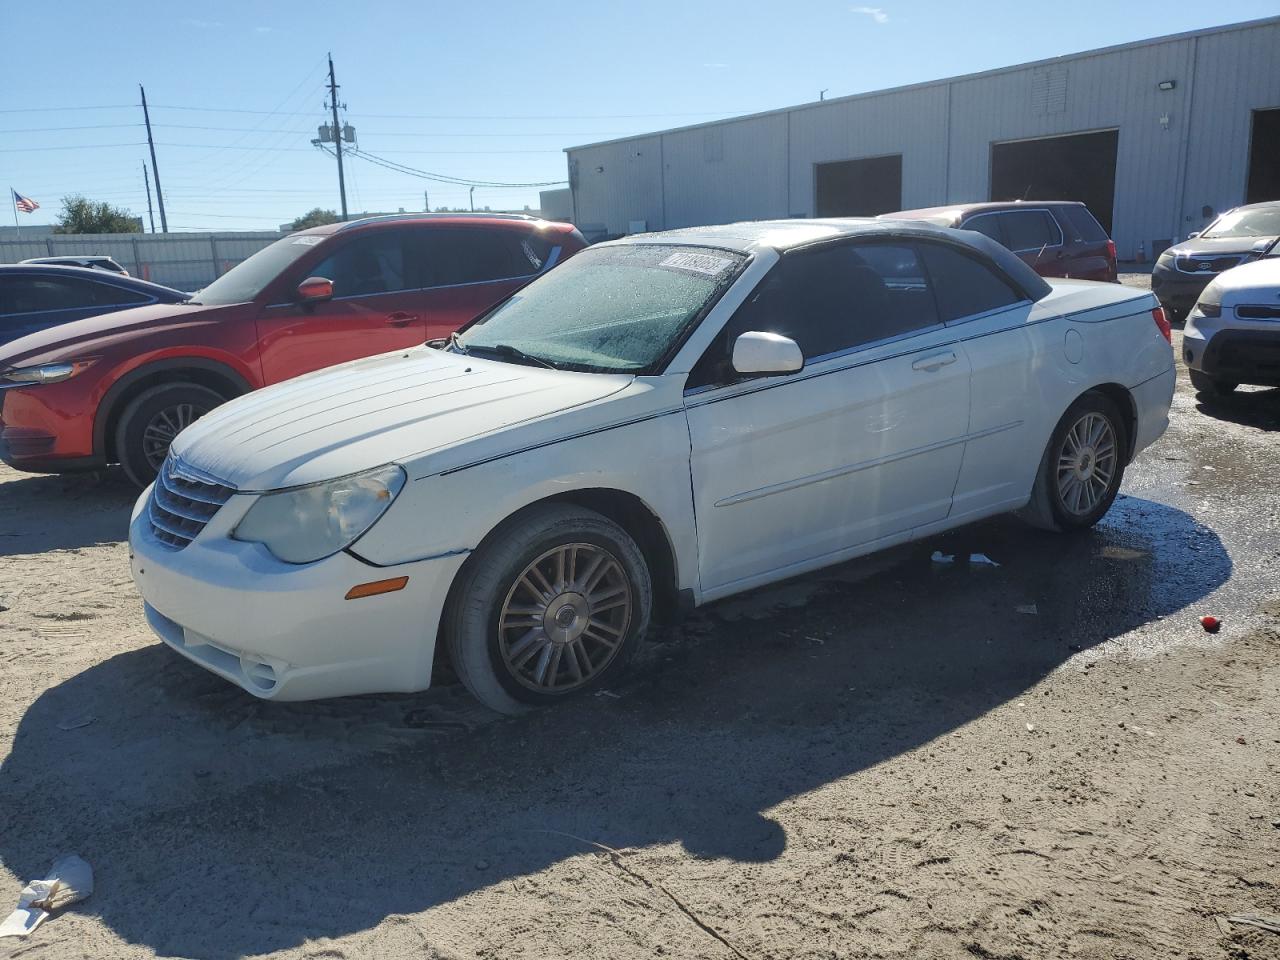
<point>186,261</point>
<point>1179,150</point>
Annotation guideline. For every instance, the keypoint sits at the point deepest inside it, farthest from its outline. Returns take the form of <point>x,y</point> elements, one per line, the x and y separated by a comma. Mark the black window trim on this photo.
<point>964,225</point>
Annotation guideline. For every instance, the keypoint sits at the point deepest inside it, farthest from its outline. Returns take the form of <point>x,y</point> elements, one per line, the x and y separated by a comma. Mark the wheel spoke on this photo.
<point>574,665</point>
<point>540,668</point>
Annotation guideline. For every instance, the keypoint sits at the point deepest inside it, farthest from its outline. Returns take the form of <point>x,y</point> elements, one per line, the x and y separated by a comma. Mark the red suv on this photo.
<point>1055,238</point>
<point>118,388</point>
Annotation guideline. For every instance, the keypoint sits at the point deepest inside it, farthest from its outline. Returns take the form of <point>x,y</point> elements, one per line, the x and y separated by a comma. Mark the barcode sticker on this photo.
<point>704,263</point>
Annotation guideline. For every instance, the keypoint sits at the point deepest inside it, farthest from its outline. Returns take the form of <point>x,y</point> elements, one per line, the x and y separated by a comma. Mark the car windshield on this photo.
<point>1263,222</point>
<point>608,309</point>
<point>250,277</point>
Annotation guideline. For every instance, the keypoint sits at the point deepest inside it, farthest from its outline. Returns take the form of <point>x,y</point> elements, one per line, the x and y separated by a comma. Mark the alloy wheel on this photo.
<point>1086,463</point>
<point>565,617</point>
<point>164,426</point>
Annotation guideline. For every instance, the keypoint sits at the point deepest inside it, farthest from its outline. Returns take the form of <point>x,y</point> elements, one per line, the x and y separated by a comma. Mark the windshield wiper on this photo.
<point>455,343</point>
<point>509,352</point>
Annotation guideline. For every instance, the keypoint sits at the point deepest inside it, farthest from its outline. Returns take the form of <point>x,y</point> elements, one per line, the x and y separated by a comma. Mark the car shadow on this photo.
<point>221,826</point>
<point>43,512</point>
<point>1249,408</point>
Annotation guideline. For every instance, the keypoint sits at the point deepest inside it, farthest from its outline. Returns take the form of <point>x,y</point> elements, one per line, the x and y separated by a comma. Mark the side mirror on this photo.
<point>1192,236</point>
<point>314,290</point>
<point>756,352</point>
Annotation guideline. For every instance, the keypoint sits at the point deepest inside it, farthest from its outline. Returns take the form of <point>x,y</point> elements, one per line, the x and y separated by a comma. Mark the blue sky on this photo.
<point>488,91</point>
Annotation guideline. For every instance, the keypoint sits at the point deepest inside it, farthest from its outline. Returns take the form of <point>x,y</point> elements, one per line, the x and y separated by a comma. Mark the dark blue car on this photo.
<point>38,296</point>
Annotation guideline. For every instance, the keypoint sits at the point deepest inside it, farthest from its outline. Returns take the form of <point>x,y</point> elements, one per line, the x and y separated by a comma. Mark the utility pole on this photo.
<point>473,199</point>
<point>147,181</point>
<point>337,136</point>
<point>164,223</point>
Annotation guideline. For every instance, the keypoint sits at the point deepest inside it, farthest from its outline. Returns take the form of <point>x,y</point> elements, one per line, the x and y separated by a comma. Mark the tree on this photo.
<point>82,215</point>
<point>314,218</point>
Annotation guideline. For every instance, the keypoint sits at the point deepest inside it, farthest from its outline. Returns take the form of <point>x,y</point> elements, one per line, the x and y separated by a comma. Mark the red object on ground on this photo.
<point>1210,624</point>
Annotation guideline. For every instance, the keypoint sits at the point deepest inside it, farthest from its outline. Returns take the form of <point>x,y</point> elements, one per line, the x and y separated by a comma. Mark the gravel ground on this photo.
<point>885,759</point>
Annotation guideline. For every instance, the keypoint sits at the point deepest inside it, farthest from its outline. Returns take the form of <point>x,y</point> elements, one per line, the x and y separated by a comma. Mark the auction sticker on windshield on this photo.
<point>704,263</point>
<point>310,241</point>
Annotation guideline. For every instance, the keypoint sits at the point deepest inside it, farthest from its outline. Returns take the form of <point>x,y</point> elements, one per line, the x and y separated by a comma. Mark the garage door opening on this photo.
<point>1081,167</point>
<point>858,188</point>
<point>1264,158</point>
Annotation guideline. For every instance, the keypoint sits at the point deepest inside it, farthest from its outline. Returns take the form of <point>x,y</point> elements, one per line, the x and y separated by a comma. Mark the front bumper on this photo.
<point>1177,290</point>
<point>1235,354</point>
<point>284,631</point>
<point>47,429</point>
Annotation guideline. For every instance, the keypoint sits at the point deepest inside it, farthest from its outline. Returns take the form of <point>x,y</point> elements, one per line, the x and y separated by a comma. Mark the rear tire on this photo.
<point>552,605</point>
<point>1211,388</point>
<point>151,421</point>
<point>1082,467</point>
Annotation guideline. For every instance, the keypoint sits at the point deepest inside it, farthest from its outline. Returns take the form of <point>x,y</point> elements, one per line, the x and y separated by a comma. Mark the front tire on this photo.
<point>552,605</point>
<point>1082,467</point>
<point>151,421</point>
<point>1211,388</point>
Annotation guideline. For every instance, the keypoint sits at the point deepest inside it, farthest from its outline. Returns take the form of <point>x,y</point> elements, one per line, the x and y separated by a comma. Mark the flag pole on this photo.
<point>13,199</point>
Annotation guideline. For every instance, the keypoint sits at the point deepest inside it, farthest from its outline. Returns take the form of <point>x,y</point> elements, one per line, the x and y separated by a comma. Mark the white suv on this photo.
<point>1233,333</point>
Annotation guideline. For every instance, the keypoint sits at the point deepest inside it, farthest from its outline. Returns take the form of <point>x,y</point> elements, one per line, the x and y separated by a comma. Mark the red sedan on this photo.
<point>118,388</point>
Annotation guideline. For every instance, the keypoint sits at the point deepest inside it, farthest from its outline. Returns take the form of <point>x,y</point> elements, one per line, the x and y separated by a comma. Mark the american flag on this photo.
<point>25,204</point>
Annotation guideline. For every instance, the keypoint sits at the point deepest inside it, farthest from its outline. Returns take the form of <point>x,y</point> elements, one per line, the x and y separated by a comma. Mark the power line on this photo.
<point>92,126</point>
<point>440,177</point>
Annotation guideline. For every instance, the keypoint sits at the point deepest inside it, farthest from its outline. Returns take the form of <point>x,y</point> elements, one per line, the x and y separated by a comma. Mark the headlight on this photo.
<point>46,372</point>
<point>1210,302</point>
<point>313,522</point>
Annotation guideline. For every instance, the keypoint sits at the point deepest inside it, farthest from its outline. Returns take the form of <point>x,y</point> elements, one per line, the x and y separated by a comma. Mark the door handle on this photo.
<point>399,319</point>
<point>935,361</point>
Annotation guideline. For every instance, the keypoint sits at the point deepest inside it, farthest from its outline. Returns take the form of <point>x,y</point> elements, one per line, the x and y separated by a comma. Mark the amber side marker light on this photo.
<point>376,587</point>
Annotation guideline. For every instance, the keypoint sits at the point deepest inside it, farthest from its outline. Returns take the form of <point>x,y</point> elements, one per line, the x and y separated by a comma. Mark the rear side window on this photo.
<point>964,285</point>
<point>841,297</point>
<point>33,294</point>
<point>533,250</point>
<point>369,265</point>
<point>1084,224</point>
<point>1029,230</point>
<point>475,256</point>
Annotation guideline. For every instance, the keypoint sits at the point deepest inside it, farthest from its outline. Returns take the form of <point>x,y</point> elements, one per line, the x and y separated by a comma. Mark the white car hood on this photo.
<point>373,411</point>
<point>1254,277</point>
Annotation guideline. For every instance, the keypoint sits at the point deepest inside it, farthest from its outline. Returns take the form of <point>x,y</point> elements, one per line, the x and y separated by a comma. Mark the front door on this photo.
<point>378,305</point>
<point>864,443</point>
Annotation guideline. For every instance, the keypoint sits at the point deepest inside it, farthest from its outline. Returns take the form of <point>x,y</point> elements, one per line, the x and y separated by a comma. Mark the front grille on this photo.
<point>1205,265</point>
<point>182,501</point>
<point>1258,312</point>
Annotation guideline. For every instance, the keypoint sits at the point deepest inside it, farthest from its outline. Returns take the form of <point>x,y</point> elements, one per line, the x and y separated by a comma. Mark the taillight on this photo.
<point>1111,250</point>
<point>1162,323</point>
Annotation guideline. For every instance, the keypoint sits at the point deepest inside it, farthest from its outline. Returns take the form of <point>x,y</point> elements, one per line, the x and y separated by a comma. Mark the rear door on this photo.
<point>472,268</point>
<point>865,442</point>
<point>378,305</point>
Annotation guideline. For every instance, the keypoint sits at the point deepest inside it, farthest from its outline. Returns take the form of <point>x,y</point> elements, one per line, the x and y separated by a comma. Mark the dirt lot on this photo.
<point>886,759</point>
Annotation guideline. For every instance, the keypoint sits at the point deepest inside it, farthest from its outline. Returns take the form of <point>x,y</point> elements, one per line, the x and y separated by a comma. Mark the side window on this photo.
<point>987,224</point>
<point>963,284</point>
<point>1085,225</point>
<point>109,295</point>
<point>32,294</point>
<point>472,256</point>
<point>841,297</point>
<point>368,265</point>
<point>533,250</point>
<point>1030,230</point>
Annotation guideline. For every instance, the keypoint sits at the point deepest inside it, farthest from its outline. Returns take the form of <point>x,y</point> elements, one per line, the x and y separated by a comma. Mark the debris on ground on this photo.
<point>981,560</point>
<point>70,880</point>
<point>1253,920</point>
<point>1028,608</point>
<point>940,557</point>
<point>1211,624</point>
<point>75,723</point>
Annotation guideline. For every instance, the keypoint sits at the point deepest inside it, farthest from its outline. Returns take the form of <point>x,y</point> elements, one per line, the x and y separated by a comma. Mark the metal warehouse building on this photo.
<point>1152,135</point>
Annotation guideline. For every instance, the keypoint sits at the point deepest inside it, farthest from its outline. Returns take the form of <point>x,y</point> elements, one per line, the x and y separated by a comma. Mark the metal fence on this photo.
<point>186,261</point>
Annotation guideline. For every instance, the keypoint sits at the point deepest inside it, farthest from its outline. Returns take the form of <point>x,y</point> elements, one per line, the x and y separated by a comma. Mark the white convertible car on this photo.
<point>662,421</point>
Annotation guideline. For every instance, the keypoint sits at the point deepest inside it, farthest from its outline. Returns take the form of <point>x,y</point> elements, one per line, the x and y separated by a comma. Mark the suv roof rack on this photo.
<point>464,214</point>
